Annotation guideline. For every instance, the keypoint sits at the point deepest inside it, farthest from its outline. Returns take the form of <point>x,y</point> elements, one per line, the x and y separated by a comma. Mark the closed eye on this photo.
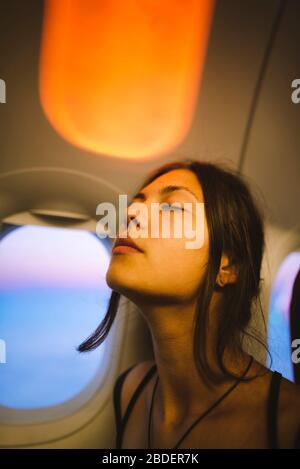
<point>171,206</point>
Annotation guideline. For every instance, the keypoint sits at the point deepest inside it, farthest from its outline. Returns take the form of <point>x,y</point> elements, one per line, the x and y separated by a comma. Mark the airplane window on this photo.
<point>279,337</point>
<point>52,295</point>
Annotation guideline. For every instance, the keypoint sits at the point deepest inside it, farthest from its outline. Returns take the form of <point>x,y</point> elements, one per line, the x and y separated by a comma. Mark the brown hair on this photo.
<point>235,226</point>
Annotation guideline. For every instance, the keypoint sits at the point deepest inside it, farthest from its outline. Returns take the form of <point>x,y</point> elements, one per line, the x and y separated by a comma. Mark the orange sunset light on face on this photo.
<point>121,77</point>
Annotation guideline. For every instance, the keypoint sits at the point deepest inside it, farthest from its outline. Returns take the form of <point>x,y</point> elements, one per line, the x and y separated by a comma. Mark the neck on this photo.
<point>181,390</point>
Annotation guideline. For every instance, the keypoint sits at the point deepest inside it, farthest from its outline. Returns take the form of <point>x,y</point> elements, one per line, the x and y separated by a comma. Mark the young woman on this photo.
<point>202,390</point>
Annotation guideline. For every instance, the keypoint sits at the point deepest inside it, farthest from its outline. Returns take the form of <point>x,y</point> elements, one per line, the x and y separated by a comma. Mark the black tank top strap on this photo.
<point>117,397</point>
<point>272,410</point>
<point>297,440</point>
<point>120,423</point>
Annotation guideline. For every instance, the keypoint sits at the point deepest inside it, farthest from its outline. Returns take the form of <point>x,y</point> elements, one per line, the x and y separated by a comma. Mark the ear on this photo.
<point>228,272</point>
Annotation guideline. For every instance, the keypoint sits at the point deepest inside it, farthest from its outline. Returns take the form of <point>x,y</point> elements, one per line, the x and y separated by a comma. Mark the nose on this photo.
<point>131,218</point>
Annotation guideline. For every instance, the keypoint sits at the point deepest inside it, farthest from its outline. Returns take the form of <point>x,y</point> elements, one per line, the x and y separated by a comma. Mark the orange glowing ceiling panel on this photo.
<point>121,77</point>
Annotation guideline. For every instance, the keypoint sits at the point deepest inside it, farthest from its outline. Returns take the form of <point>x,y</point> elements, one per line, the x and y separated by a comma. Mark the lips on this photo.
<point>126,242</point>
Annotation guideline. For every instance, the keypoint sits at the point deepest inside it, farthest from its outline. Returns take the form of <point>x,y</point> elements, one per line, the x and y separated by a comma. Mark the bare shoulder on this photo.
<point>288,406</point>
<point>288,412</point>
<point>131,382</point>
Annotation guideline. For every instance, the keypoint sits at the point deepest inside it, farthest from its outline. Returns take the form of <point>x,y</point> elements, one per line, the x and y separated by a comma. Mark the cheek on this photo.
<point>191,266</point>
<point>176,265</point>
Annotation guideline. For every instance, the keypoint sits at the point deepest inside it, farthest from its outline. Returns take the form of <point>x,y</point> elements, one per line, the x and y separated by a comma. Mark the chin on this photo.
<point>112,280</point>
<point>118,281</point>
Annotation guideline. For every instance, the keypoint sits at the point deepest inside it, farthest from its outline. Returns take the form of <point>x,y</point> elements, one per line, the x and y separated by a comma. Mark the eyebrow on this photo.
<point>165,190</point>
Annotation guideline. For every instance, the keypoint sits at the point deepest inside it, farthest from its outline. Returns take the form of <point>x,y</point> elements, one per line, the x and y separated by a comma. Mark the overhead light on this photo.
<point>121,78</point>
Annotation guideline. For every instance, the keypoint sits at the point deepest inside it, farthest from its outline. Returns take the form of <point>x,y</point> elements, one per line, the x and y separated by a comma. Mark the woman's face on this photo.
<point>166,270</point>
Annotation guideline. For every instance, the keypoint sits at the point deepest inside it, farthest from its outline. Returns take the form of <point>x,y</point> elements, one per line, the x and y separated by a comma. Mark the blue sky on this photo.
<point>42,322</point>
